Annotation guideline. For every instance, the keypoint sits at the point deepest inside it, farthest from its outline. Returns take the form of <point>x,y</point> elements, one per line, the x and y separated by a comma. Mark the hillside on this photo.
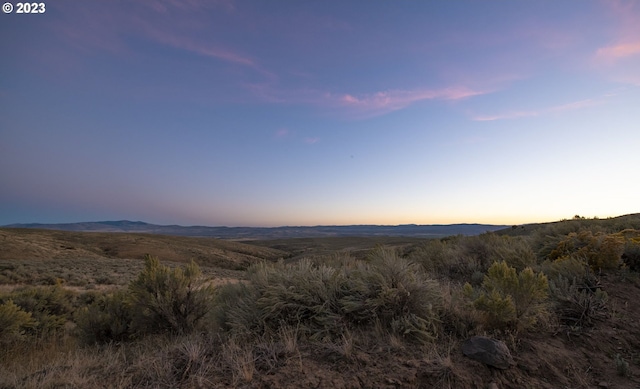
<point>288,232</point>
<point>618,223</point>
<point>24,243</point>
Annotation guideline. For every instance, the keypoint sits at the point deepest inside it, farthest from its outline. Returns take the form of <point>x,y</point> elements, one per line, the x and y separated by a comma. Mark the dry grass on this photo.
<point>90,274</point>
<point>47,244</point>
<point>367,347</point>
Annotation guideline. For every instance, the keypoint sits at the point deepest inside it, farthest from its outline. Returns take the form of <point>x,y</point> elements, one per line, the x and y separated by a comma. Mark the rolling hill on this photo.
<point>407,230</point>
<point>27,243</point>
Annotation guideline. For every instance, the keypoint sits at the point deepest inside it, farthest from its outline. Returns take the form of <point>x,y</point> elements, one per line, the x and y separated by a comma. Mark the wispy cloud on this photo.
<point>626,36</point>
<point>358,106</point>
<point>311,141</point>
<point>558,108</point>
<point>388,101</point>
<point>109,25</point>
<point>618,51</point>
<point>205,49</point>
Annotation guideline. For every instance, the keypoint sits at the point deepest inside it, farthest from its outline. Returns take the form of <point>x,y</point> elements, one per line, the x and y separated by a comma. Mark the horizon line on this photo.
<point>311,226</point>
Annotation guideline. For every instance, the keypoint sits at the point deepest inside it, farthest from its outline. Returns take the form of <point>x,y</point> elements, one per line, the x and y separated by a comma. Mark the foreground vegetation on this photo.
<point>396,315</point>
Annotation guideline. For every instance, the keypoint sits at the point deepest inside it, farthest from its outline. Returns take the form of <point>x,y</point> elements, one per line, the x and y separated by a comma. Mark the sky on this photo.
<point>273,113</point>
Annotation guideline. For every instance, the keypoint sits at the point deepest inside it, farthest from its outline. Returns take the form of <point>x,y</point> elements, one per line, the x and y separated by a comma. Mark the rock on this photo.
<point>489,351</point>
<point>492,385</point>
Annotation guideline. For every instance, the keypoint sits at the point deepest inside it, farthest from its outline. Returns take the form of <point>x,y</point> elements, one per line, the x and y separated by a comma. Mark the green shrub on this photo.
<point>302,293</point>
<point>108,318</point>
<point>459,258</point>
<point>50,306</point>
<point>323,301</point>
<point>602,251</point>
<point>169,299</point>
<point>13,322</point>
<point>570,267</point>
<point>516,252</point>
<point>433,255</point>
<point>395,293</point>
<point>508,298</point>
<point>235,310</point>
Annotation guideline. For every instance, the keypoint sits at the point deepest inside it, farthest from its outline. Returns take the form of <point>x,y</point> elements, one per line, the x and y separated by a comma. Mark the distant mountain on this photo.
<point>408,230</point>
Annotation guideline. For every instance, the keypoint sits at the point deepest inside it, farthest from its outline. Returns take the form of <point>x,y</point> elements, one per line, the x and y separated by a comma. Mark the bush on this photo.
<point>515,252</point>
<point>13,322</point>
<point>569,267</point>
<point>169,299</point>
<point>602,251</point>
<point>395,293</point>
<point>313,301</point>
<point>631,254</point>
<point>235,310</point>
<point>577,305</point>
<point>508,298</point>
<point>323,301</point>
<point>108,318</point>
<point>50,306</point>
<point>460,257</point>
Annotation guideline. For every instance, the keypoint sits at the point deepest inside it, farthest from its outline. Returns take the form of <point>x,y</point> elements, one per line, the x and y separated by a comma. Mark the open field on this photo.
<point>357,247</point>
<point>18,243</point>
<point>88,310</point>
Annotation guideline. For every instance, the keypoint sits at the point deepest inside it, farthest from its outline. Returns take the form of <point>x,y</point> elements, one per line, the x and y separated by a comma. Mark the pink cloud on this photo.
<point>182,42</point>
<point>108,24</point>
<point>357,106</point>
<point>311,141</point>
<point>384,102</point>
<point>619,51</point>
<point>558,108</point>
<point>626,41</point>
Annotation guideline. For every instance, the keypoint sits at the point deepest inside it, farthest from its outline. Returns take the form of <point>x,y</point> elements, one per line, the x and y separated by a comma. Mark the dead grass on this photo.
<point>288,355</point>
<point>90,273</point>
<point>48,244</point>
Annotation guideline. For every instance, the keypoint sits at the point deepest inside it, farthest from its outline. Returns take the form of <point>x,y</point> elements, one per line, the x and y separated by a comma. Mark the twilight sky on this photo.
<point>269,113</point>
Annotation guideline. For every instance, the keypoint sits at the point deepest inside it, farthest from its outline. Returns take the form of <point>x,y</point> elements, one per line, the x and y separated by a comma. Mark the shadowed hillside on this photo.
<point>22,243</point>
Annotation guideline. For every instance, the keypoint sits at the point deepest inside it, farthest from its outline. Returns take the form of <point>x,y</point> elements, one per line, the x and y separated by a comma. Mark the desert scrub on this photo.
<point>106,319</point>
<point>631,254</point>
<point>166,299</point>
<point>578,302</point>
<point>395,293</point>
<point>301,293</point>
<point>50,306</point>
<point>509,298</point>
<point>571,267</point>
<point>516,252</point>
<point>601,251</point>
<point>324,301</point>
<point>14,322</point>
<point>455,257</point>
<point>459,257</point>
